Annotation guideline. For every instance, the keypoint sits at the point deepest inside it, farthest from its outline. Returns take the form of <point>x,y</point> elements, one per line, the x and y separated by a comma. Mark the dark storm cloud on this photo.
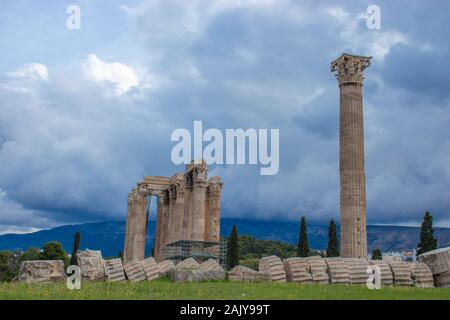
<point>71,149</point>
<point>419,72</point>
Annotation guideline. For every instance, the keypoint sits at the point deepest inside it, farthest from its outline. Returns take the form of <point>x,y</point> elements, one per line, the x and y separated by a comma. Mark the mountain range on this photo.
<point>109,236</point>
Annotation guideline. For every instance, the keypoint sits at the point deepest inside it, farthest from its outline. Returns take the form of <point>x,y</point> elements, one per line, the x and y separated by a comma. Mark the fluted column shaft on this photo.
<point>352,176</point>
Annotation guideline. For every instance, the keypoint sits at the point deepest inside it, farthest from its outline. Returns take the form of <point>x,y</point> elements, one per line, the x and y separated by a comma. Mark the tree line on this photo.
<point>247,250</point>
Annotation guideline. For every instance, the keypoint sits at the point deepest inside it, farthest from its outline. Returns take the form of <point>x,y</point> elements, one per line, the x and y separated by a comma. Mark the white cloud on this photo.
<point>33,71</point>
<point>17,229</point>
<point>383,42</point>
<point>120,76</point>
<point>360,39</point>
<point>24,79</point>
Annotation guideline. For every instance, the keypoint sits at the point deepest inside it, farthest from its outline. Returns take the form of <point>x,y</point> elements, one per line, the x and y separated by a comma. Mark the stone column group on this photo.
<point>188,209</point>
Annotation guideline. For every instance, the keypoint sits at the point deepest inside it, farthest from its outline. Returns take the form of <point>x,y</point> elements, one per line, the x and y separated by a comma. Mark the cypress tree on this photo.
<point>233,250</point>
<point>303,248</point>
<point>333,246</point>
<point>427,241</point>
<point>376,254</point>
<point>76,247</point>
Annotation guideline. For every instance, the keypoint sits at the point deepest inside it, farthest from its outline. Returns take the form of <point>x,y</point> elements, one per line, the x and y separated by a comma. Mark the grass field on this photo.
<point>164,289</point>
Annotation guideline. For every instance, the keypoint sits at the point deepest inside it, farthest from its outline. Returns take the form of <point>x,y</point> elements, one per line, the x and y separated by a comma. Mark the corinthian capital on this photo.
<point>349,68</point>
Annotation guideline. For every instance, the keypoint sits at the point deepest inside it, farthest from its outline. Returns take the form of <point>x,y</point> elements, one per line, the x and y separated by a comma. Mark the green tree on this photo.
<point>233,249</point>
<point>76,247</point>
<point>54,251</point>
<point>333,245</point>
<point>303,248</point>
<point>427,240</point>
<point>31,254</point>
<point>9,265</point>
<point>376,254</point>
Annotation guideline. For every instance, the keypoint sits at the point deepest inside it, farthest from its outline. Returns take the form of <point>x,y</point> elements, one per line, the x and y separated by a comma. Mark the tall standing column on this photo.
<point>165,219</point>
<point>349,69</point>
<point>179,210</point>
<point>215,188</point>
<point>158,231</point>
<point>171,216</point>
<point>199,202</point>
<point>136,228</point>
<point>187,218</point>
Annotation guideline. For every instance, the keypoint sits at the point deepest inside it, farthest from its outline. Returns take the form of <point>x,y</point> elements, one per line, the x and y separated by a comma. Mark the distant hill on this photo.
<point>109,236</point>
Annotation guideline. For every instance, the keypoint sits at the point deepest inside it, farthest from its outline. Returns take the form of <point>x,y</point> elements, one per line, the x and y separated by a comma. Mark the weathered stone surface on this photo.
<point>134,271</point>
<point>402,274</point>
<point>151,268</point>
<point>245,274</point>
<point>387,278</point>
<point>91,264</point>
<point>442,279</point>
<point>211,265</point>
<point>272,268</point>
<point>297,270</point>
<point>318,269</point>
<point>114,270</point>
<point>41,271</point>
<point>191,275</point>
<point>165,266</point>
<point>438,260</point>
<point>357,270</point>
<point>189,263</point>
<point>421,275</point>
<point>337,271</point>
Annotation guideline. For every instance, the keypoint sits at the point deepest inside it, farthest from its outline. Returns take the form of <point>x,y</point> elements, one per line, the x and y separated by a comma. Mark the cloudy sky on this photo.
<point>86,113</point>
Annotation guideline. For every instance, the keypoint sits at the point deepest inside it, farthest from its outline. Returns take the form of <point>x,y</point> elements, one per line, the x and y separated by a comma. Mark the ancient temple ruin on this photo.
<point>188,211</point>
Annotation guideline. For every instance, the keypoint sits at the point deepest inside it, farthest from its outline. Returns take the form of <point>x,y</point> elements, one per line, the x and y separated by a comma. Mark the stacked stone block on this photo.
<point>439,262</point>
<point>357,270</point>
<point>150,268</point>
<point>134,271</point>
<point>91,264</point>
<point>114,270</point>
<point>165,266</point>
<point>272,268</point>
<point>421,275</point>
<point>244,274</point>
<point>401,272</point>
<point>297,270</point>
<point>442,279</point>
<point>337,271</point>
<point>387,279</point>
<point>189,275</point>
<point>318,269</point>
<point>211,265</point>
<point>41,271</point>
<point>189,263</point>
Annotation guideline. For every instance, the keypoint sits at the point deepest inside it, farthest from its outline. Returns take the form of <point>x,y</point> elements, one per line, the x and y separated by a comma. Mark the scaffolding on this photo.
<point>199,250</point>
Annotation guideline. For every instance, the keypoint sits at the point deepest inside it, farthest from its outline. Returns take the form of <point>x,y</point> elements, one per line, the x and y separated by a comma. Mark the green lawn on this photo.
<point>164,289</point>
